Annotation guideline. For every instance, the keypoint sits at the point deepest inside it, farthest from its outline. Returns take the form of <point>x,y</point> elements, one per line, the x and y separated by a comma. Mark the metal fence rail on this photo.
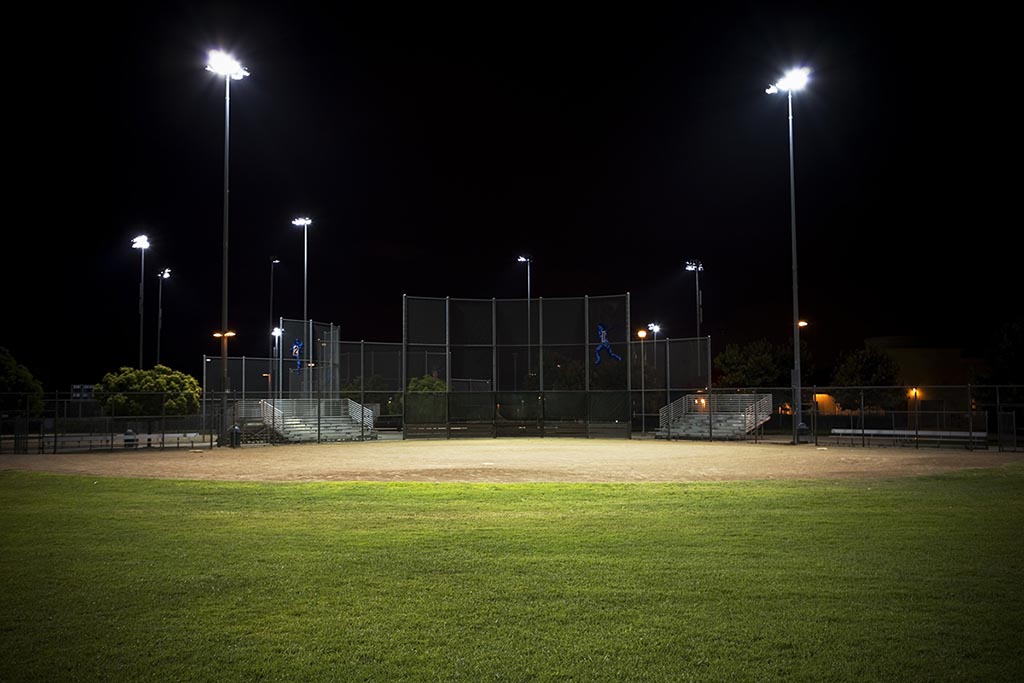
<point>965,416</point>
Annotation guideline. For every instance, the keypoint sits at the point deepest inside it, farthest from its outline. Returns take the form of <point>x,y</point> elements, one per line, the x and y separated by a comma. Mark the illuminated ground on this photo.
<point>515,460</point>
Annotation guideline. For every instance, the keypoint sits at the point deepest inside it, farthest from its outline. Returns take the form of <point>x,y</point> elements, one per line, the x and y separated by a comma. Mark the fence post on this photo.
<point>863,436</point>
<point>970,421</point>
<point>814,413</point>
<point>668,390</point>
<point>163,419</point>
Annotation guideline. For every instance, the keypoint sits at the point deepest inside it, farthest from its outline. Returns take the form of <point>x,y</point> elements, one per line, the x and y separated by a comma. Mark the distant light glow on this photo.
<point>229,333</point>
<point>654,327</point>
<point>523,259</point>
<point>641,333</point>
<point>140,242</point>
<point>224,64</point>
<point>694,265</point>
<point>802,323</point>
<point>164,274</point>
<point>277,332</point>
<point>276,261</point>
<point>792,80</point>
<point>302,222</point>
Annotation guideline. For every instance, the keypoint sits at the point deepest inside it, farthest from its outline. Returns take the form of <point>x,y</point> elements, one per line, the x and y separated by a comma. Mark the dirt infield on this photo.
<point>514,460</point>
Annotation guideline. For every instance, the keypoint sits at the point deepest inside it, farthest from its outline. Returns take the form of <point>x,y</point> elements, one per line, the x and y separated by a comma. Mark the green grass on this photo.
<point>864,580</point>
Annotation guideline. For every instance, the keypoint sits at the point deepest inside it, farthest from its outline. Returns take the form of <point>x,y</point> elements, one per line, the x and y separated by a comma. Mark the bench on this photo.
<point>929,435</point>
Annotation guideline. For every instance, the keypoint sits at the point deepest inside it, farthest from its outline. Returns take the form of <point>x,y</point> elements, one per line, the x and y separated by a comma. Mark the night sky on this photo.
<point>432,146</point>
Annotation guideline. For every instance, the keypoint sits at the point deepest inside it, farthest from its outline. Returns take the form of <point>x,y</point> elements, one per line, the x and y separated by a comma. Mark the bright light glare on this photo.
<point>641,333</point>
<point>794,79</point>
<point>694,265</point>
<point>522,259</point>
<point>165,273</point>
<point>654,327</point>
<point>140,242</point>
<point>802,323</point>
<point>302,222</point>
<point>277,332</point>
<point>229,333</point>
<point>224,64</point>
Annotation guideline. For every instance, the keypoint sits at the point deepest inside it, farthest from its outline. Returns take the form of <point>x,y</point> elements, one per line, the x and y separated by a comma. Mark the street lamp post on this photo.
<point>142,244</point>
<point>223,337</point>
<point>793,80</point>
<point>529,340</point>
<point>161,276</point>
<point>224,65</point>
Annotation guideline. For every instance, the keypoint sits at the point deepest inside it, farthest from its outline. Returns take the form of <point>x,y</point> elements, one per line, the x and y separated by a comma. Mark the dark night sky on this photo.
<point>432,146</point>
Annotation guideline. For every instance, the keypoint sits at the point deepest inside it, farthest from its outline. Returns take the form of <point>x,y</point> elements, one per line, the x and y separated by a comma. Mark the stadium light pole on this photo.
<point>161,276</point>
<point>794,80</point>
<point>224,65</point>
<point>270,348</point>
<point>142,244</point>
<point>529,341</point>
<point>304,223</point>
<point>696,267</point>
<point>642,334</point>
<point>655,328</point>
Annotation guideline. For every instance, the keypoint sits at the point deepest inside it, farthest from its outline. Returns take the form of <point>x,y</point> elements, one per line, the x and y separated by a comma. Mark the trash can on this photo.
<point>235,437</point>
<point>130,440</point>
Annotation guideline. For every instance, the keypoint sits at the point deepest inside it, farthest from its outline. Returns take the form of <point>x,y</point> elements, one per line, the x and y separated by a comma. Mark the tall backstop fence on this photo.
<point>371,402</point>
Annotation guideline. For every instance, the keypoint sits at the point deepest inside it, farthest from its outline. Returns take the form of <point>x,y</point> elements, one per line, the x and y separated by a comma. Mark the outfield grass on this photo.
<point>855,580</point>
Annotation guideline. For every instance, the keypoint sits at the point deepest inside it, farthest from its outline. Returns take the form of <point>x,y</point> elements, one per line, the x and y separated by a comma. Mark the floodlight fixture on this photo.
<point>140,242</point>
<point>654,327</point>
<point>229,333</point>
<point>694,265</point>
<point>792,81</point>
<point>225,65</point>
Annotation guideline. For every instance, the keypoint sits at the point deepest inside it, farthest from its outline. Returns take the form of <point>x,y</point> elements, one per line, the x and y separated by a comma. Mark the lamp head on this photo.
<point>792,80</point>
<point>225,65</point>
<point>140,242</point>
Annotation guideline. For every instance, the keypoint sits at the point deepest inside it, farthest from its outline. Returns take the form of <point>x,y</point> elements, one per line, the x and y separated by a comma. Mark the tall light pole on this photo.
<point>224,65</point>
<point>642,334</point>
<point>793,80</point>
<point>142,244</point>
<point>161,276</point>
<point>529,340</point>
<point>697,267</point>
<point>270,348</point>
<point>304,223</point>
<point>655,328</point>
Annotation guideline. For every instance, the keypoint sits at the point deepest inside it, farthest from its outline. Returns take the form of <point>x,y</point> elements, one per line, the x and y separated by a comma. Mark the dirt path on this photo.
<point>515,460</point>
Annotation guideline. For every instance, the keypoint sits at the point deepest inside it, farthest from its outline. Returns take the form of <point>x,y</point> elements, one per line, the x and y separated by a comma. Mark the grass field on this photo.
<point>913,579</point>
